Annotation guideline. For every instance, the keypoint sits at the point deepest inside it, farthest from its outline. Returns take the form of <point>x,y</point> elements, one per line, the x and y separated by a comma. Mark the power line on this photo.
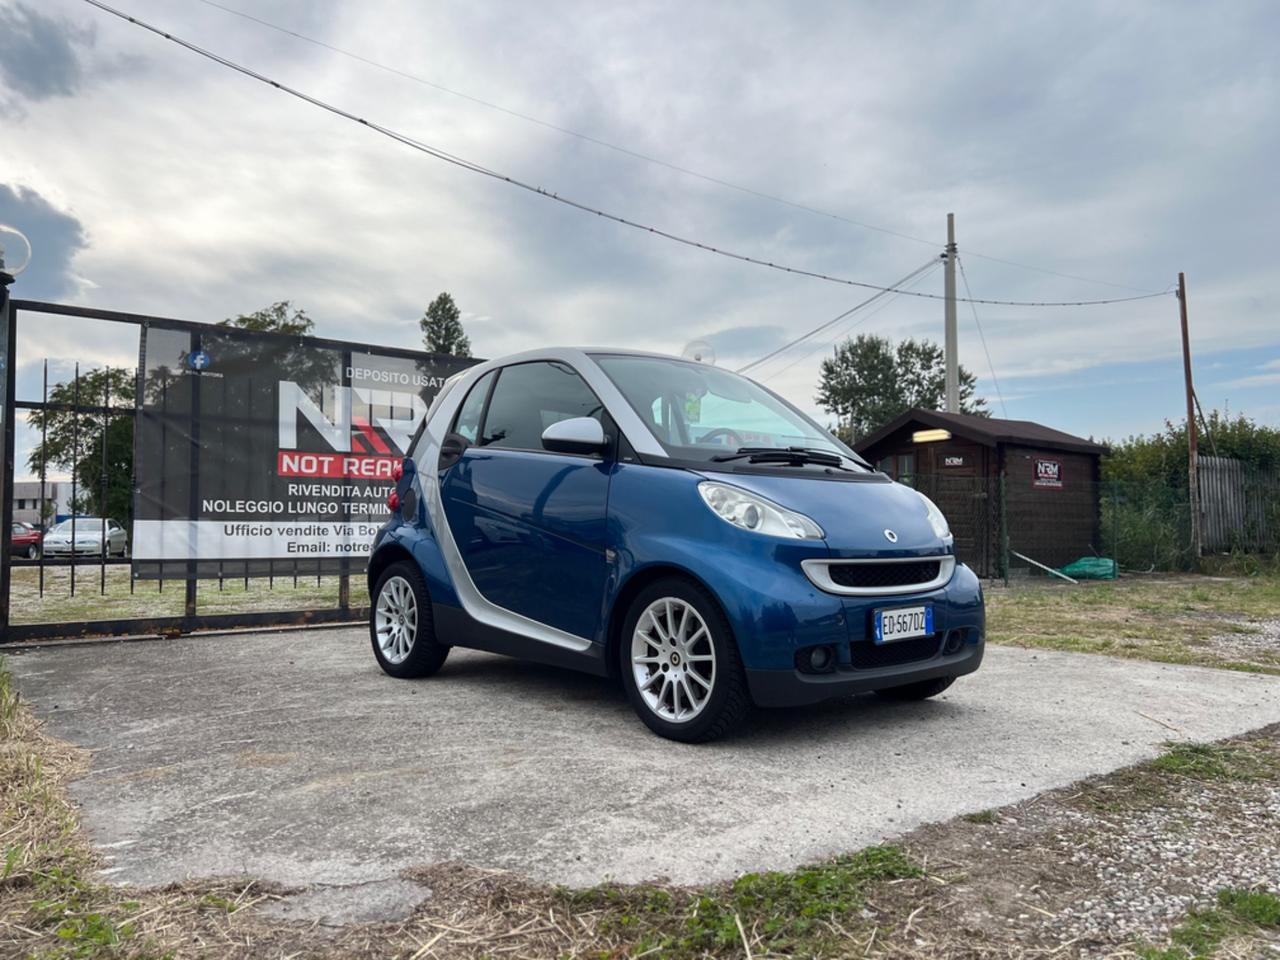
<point>983,337</point>
<point>823,326</point>
<point>440,154</point>
<point>846,331</point>
<point>647,158</point>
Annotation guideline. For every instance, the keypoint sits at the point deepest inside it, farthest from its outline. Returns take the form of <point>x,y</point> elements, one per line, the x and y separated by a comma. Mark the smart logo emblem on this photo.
<point>891,536</point>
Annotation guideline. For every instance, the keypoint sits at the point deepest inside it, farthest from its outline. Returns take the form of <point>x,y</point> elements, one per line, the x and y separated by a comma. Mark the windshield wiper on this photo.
<point>796,456</point>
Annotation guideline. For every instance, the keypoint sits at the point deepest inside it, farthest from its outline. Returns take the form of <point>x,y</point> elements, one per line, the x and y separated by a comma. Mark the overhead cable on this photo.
<point>439,154</point>
<point>887,302</point>
<point>647,158</point>
<point>983,337</point>
<point>932,262</point>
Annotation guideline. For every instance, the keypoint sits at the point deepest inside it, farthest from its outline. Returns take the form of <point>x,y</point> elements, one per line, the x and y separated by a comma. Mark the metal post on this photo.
<point>9,330</point>
<point>44,462</point>
<point>75,471</point>
<point>949,288</point>
<point>1192,439</point>
<point>344,581</point>
<point>102,481</point>
<point>193,488</point>
<point>1004,530</point>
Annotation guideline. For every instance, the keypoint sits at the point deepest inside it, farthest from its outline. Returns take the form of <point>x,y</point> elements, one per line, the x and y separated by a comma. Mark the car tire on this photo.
<point>400,625</point>
<point>33,552</point>
<point>658,631</point>
<point>917,691</point>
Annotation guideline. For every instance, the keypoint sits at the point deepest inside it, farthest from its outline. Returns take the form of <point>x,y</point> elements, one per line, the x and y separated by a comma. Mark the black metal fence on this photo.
<point>82,427</point>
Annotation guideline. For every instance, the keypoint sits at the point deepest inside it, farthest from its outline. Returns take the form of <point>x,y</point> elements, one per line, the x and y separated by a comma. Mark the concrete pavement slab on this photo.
<point>291,757</point>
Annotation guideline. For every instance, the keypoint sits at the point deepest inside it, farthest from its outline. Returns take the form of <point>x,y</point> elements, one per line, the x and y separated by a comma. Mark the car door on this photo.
<point>529,523</point>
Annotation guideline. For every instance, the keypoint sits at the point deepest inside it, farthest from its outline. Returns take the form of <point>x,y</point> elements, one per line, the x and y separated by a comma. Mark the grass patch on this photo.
<point>1236,914</point>
<point>793,913</point>
<point>1167,619</point>
<point>982,817</point>
<point>45,885</point>
<point>1217,761</point>
<point>121,597</point>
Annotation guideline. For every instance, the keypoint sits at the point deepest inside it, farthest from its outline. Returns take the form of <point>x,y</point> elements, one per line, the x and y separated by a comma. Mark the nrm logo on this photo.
<point>344,432</point>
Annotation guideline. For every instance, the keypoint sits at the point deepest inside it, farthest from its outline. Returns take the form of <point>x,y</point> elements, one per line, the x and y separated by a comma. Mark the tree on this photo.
<point>868,382</point>
<point>442,328</point>
<point>274,319</point>
<point>1162,457</point>
<point>73,442</point>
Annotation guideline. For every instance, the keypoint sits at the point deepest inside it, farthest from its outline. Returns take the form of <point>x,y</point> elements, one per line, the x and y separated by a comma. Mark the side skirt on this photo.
<point>456,628</point>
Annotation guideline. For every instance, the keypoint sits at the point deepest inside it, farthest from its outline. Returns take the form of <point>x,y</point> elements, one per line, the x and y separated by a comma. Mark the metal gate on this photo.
<point>90,414</point>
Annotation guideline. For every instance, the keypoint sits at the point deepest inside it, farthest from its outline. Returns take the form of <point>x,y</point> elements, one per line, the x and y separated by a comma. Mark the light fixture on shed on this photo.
<point>930,436</point>
<point>15,252</point>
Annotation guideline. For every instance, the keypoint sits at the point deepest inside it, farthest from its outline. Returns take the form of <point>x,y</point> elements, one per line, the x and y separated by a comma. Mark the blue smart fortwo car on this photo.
<point>670,523</point>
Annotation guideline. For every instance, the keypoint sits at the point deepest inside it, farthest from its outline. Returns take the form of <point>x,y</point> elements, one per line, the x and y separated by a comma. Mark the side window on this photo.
<point>467,421</point>
<point>529,398</point>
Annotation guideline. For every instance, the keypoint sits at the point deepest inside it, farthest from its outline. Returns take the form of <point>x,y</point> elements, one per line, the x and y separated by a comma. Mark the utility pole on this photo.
<point>949,287</point>
<point>1192,480</point>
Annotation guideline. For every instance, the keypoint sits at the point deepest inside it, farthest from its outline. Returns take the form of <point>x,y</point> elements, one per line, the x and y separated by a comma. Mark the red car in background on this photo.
<point>26,540</point>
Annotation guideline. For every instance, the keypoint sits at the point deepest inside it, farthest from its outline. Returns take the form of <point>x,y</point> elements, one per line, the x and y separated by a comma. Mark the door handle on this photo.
<point>451,450</point>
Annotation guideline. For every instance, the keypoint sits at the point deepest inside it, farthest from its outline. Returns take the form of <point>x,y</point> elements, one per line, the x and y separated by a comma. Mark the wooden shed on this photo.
<point>1051,483</point>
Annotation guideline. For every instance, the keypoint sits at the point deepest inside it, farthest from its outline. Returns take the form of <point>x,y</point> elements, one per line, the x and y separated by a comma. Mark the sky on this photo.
<point>1101,147</point>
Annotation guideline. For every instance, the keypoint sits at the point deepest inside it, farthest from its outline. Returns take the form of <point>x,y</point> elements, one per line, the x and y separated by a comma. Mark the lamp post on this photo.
<point>15,254</point>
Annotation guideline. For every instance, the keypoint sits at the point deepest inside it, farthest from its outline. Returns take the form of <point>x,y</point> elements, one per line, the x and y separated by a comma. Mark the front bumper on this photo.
<point>64,550</point>
<point>791,688</point>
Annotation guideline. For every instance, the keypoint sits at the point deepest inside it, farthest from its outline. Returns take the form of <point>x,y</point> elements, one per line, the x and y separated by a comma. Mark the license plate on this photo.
<point>903,623</point>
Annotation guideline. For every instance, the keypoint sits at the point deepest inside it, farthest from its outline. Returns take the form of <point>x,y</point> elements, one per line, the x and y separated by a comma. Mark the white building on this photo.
<point>26,500</point>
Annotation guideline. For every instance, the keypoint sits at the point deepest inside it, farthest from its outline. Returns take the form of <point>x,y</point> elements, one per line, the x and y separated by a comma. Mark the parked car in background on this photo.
<point>26,540</point>
<point>90,533</point>
<point>672,524</point>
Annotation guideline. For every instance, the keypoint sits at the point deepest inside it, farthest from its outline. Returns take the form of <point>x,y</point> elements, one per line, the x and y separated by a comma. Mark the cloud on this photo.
<point>1084,140</point>
<point>40,55</point>
<point>1270,375</point>
<point>56,237</point>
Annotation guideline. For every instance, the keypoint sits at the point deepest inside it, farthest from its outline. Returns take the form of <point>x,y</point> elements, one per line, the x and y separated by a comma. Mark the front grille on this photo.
<point>872,574</point>
<point>865,655</point>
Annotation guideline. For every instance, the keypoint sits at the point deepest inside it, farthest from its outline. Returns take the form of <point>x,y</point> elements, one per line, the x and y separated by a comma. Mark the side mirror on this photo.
<point>576,435</point>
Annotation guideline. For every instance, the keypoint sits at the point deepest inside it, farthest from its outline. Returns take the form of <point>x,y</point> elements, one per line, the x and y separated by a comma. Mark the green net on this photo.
<point>1090,568</point>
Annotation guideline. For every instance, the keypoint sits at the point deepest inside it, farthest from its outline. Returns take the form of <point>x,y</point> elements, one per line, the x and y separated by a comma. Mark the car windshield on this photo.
<point>699,412</point>
<point>83,525</point>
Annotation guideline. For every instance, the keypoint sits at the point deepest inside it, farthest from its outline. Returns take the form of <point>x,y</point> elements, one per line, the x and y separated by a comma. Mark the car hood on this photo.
<point>854,514</point>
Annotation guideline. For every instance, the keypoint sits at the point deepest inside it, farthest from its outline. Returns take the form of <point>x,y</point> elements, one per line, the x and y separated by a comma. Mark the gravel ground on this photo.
<point>1255,641</point>
<point>1106,865</point>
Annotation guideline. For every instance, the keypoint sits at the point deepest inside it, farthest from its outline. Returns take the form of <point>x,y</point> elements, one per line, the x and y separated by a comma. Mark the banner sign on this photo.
<point>260,454</point>
<point>1048,474</point>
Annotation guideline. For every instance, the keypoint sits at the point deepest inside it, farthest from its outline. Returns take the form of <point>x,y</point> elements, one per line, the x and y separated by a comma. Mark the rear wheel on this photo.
<point>33,552</point>
<point>680,664</point>
<point>400,625</point>
<point>917,691</point>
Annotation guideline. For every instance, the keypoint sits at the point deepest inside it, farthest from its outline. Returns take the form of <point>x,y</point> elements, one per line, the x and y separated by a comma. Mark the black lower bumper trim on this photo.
<point>790,688</point>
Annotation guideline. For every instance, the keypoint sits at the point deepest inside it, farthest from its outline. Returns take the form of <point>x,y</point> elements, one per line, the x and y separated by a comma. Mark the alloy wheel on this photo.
<point>396,619</point>
<point>673,659</point>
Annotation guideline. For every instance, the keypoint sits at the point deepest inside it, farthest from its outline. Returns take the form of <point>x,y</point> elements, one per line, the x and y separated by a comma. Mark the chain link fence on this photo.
<point>1143,527</point>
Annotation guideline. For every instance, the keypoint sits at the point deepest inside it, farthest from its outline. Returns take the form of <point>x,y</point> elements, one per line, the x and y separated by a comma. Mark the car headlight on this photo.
<point>752,512</point>
<point>936,520</point>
